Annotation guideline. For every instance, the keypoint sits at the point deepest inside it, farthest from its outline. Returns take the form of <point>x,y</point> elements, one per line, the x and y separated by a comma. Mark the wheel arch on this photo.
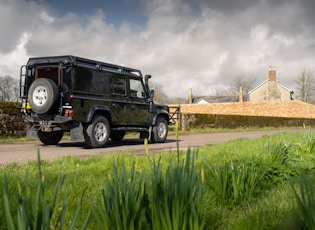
<point>160,113</point>
<point>98,110</point>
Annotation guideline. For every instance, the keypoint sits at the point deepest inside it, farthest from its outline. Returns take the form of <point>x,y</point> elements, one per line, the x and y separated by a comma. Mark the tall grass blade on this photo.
<point>8,214</point>
<point>305,200</point>
<point>38,212</point>
<point>176,195</point>
<point>122,200</point>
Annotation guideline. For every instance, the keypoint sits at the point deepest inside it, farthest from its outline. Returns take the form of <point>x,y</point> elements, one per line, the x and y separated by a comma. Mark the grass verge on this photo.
<point>159,190</point>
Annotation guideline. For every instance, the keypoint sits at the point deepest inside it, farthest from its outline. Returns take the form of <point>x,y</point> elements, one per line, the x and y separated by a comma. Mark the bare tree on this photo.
<point>9,88</point>
<point>246,83</point>
<point>177,100</point>
<point>305,86</point>
<point>159,94</point>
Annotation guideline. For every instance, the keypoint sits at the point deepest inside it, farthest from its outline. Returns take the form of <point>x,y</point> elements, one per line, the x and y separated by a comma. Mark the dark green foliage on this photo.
<point>308,144</point>
<point>278,152</point>
<point>279,160</point>
<point>11,121</point>
<point>304,195</point>
<point>122,201</point>
<point>229,121</point>
<point>10,108</point>
<point>233,181</point>
<point>171,200</point>
<point>12,126</point>
<point>35,209</point>
<point>177,195</point>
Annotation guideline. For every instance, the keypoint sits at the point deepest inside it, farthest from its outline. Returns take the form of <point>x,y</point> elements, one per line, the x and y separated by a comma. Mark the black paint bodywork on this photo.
<point>88,88</point>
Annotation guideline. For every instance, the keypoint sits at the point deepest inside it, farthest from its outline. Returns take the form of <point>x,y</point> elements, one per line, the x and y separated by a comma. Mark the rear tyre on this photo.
<point>43,96</point>
<point>160,131</point>
<point>117,135</point>
<point>97,132</point>
<point>50,138</point>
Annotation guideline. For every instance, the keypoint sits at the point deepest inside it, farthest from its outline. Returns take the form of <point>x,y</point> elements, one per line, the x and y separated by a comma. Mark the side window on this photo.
<point>119,85</point>
<point>91,81</point>
<point>136,89</point>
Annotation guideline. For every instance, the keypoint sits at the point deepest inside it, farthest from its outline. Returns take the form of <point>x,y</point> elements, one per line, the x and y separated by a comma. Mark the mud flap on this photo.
<point>76,133</point>
<point>31,130</point>
<point>144,135</point>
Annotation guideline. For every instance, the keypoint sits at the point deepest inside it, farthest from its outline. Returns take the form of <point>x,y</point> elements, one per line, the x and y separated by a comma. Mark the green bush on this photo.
<point>176,196</point>
<point>11,122</point>
<point>12,126</point>
<point>229,121</point>
<point>304,195</point>
<point>233,181</point>
<point>8,107</point>
<point>123,200</point>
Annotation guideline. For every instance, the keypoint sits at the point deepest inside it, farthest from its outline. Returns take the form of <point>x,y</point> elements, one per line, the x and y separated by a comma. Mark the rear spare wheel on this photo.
<point>43,96</point>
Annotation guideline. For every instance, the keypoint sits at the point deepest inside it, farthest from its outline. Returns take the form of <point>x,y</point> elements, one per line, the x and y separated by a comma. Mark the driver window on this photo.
<point>136,89</point>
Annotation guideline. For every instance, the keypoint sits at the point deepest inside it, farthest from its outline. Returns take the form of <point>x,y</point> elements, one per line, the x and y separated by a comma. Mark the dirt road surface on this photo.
<point>21,152</point>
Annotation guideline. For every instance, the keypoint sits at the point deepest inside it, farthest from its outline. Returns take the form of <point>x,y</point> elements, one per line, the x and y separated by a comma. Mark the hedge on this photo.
<point>11,121</point>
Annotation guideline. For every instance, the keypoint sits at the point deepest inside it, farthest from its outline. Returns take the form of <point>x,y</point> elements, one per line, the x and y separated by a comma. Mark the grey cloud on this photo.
<point>185,44</point>
<point>16,17</point>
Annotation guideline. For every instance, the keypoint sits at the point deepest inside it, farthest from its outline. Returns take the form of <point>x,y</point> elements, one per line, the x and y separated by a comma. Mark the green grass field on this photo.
<point>263,183</point>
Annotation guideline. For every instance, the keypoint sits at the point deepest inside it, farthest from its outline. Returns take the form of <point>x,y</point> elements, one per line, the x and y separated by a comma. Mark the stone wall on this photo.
<point>285,109</point>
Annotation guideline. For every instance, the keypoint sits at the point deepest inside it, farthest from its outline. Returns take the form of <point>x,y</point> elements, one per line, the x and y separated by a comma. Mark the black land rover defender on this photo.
<point>91,99</point>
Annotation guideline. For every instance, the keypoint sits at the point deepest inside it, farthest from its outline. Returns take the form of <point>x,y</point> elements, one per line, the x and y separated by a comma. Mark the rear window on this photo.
<point>49,72</point>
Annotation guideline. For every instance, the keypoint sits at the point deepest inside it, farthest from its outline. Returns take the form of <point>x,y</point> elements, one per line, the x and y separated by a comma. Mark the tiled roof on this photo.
<point>278,84</point>
<point>218,99</point>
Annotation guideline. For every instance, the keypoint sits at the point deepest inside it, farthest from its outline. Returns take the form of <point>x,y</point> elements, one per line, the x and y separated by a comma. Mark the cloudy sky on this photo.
<point>198,44</point>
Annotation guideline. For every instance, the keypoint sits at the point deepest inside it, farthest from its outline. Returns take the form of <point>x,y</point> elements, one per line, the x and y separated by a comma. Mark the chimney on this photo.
<point>272,74</point>
<point>190,98</point>
<point>240,99</point>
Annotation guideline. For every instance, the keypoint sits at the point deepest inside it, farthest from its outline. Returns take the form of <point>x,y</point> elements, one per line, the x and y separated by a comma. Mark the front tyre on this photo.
<point>97,132</point>
<point>50,138</point>
<point>160,131</point>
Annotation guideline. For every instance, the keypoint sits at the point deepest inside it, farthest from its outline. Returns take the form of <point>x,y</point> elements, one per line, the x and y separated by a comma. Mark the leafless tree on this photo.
<point>305,86</point>
<point>177,100</point>
<point>9,88</point>
<point>159,95</point>
<point>246,83</point>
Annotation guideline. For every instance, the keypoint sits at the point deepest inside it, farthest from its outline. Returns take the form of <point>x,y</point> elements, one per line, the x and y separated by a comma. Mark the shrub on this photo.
<point>176,196</point>
<point>307,144</point>
<point>233,180</point>
<point>122,201</point>
<point>11,122</point>
<point>8,107</point>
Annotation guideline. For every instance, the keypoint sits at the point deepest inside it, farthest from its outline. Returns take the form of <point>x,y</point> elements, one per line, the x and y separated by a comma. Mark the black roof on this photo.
<point>79,61</point>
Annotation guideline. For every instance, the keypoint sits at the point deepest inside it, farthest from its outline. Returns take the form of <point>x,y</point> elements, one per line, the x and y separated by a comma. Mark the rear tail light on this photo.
<point>68,112</point>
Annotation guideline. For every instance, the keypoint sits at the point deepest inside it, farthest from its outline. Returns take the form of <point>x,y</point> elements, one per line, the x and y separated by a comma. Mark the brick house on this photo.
<point>270,90</point>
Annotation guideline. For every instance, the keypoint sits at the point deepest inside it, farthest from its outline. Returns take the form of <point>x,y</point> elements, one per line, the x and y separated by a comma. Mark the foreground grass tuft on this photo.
<point>240,184</point>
